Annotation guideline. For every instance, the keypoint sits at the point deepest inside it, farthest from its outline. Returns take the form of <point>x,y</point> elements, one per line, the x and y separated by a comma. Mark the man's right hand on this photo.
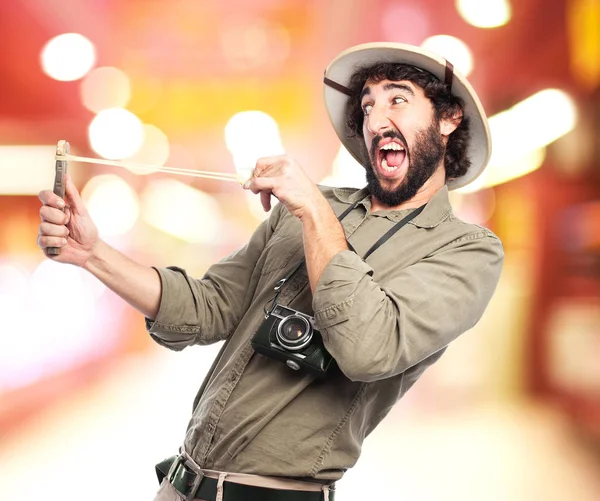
<point>73,231</point>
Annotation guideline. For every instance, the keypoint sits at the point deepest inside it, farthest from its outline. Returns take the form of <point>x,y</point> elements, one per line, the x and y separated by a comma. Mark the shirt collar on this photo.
<point>437,209</point>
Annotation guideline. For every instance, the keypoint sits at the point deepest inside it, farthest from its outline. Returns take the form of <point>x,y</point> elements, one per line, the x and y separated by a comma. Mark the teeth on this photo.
<point>392,146</point>
<point>386,167</point>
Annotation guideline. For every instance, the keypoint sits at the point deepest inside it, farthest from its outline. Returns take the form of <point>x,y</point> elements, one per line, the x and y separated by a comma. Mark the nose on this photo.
<point>377,119</point>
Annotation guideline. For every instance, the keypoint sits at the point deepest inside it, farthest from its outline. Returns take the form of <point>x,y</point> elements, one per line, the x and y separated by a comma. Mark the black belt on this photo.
<point>194,486</point>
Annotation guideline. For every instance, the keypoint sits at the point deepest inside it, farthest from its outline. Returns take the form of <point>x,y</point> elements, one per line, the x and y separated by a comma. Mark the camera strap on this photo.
<point>373,248</point>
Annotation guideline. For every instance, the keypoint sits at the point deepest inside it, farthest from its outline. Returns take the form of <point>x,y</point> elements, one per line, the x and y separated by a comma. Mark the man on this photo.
<point>261,429</point>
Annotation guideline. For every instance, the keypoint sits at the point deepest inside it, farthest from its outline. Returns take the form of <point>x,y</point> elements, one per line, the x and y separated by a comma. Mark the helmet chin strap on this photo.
<point>337,86</point>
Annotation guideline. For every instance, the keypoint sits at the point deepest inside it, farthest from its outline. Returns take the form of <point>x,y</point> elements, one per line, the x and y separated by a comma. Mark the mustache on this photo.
<point>392,134</point>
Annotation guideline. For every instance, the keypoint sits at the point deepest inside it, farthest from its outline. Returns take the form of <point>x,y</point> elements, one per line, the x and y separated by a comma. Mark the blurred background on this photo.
<point>88,404</point>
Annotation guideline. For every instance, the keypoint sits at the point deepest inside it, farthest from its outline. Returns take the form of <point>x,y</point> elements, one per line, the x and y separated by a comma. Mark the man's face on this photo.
<point>402,137</point>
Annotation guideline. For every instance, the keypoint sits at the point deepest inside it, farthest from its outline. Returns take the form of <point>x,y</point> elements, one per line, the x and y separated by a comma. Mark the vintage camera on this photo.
<point>290,336</point>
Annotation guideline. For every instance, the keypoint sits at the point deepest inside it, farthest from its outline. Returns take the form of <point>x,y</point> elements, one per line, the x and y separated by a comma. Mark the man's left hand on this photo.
<point>283,177</point>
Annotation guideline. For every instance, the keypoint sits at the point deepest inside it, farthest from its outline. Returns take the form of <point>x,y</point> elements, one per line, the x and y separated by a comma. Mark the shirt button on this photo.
<point>295,286</point>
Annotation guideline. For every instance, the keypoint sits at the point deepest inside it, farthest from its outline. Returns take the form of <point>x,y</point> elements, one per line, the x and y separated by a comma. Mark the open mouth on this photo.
<point>390,157</point>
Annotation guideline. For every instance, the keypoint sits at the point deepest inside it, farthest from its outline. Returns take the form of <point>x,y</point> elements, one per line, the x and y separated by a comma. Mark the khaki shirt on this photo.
<point>384,321</point>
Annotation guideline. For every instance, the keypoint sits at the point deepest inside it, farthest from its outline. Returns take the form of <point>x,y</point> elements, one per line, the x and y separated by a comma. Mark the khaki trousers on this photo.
<point>166,492</point>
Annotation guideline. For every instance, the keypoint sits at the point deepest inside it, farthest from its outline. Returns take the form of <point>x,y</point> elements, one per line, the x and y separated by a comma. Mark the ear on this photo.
<point>450,124</point>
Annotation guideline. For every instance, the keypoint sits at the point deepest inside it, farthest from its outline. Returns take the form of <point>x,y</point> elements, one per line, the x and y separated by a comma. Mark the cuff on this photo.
<point>335,291</point>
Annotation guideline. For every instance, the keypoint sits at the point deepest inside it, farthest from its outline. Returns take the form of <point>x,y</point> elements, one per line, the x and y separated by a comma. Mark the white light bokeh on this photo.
<point>346,172</point>
<point>485,13</point>
<point>104,88</point>
<point>112,204</point>
<point>182,211</point>
<point>531,124</point>
<point>13,288</point>
<point>498,173</point>
<point>250,135</point>
<point>50,315</point>
<point>521,133</point>
<point>452,49</point>
<point>116,133</point>
<point>255,206</point>
<point>153,151</point>
<point>68,57</point>
<point>24,169</point>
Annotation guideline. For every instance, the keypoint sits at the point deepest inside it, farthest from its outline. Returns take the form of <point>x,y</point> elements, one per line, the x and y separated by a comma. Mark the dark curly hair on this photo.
<point>446,105</point>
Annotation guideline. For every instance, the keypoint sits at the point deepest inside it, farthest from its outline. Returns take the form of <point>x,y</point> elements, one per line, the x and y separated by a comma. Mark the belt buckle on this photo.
<point>179,477</point>
<point>197,481</point>
<point>173,469</point>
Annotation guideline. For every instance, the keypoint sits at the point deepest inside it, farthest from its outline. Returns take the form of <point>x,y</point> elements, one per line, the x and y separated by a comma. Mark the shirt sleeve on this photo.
<point>207,310</point>
<point>378,330</point>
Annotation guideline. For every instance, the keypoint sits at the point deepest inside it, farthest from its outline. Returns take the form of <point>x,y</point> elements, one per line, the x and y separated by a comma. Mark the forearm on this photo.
<point>139,285</point>
<point>323,238</point>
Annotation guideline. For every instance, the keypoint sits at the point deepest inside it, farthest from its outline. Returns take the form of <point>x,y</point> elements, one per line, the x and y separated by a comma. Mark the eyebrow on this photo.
<point>367,90</point>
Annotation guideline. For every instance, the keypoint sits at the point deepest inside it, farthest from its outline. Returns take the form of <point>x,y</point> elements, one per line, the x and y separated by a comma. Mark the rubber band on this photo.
<point>218,176</point>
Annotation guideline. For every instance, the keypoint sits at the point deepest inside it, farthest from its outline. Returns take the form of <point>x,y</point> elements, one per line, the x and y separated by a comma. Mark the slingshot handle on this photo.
<point>62,148</point>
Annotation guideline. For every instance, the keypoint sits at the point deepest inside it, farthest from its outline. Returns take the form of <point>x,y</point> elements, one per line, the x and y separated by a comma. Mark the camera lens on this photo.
<point>294,332</point>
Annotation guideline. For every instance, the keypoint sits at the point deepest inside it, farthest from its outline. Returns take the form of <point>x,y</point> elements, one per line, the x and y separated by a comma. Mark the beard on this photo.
<point>425,155</point>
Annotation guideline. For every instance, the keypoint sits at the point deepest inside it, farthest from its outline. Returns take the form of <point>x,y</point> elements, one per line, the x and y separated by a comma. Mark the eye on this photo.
<point>399,100</point>
<point>367,108</point>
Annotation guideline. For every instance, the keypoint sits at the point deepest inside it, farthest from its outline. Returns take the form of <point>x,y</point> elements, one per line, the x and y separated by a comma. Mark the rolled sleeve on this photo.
<point>334,295</point>
<point>203,311</point>
<point>376,330</point>
<point>177,324</point>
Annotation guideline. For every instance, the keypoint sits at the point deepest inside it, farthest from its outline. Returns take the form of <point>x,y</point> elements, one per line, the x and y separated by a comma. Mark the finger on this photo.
<point>265,200</point>
<point>53,230</point>
<point>48,197</point>
<point>265,165</point>
<point>73,197</point>
<point>258,184</point>
<point>45,241</point>
<point>68,214</point>
<point>52,215</point>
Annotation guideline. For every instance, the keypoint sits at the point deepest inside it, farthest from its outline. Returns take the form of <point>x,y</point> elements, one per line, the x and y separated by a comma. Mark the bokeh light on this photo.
<point>413,20</point>
<point>13,287</point>
<point>153,151</point>
<point>112,204</point>
<point>182,211</point>
<point>105,87</point>
<point>485,13</point>
<point>514,402</point>
<point>51,337</point>
<point>521,133</point>
<point>531,124</point>
<point>250,135</point>
<point>32,174</point>
<point>452,49</point>
<point>255,206</point>
<point>116,133</point>
<point>68,57</point>
<point>256,44</point>
<point>346,171</point>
